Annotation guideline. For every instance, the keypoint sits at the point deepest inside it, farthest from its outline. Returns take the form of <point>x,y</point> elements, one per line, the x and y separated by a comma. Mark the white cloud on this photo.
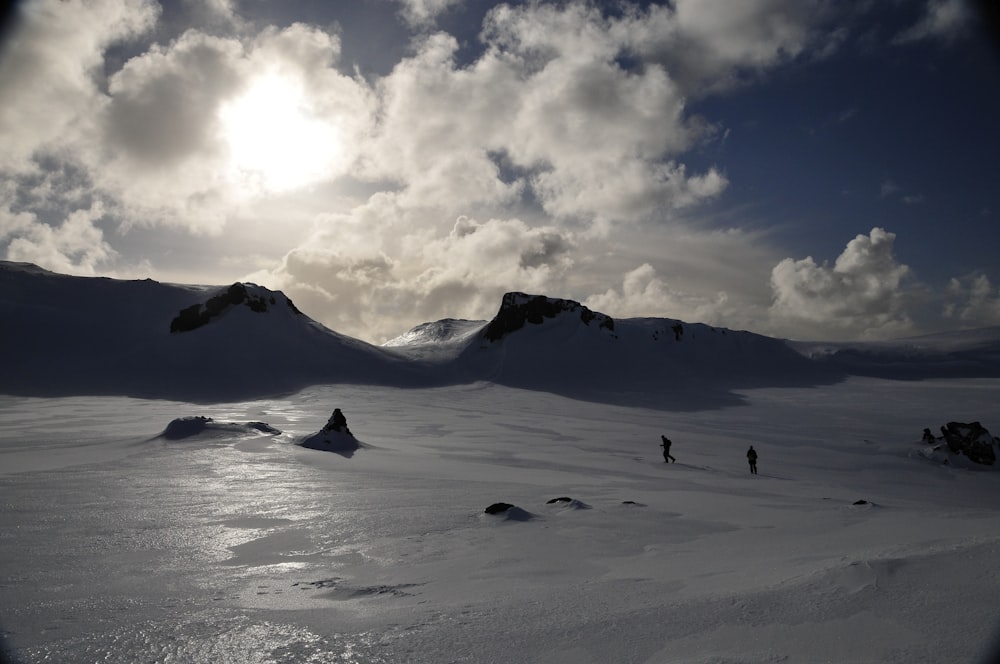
<point>861,296</point>
<point>76,246</point>
<point>710,45</point>
<point>51,68</point>
<point>645,294</point>
<point>590,139</point>
<point>974,301</point>
<point>942,19</point>
<point>169,154</point>
<point>383,268</point>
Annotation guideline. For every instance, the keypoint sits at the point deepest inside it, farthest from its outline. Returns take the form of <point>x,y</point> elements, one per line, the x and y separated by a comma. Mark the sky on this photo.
<point>799,168</point>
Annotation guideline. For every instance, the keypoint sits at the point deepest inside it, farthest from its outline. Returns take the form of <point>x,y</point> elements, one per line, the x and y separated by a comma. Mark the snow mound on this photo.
<point>508,512</point>
<point>334,437</point>
<point>565,503</point>
<point>338,442</point>
<point>189,427</point>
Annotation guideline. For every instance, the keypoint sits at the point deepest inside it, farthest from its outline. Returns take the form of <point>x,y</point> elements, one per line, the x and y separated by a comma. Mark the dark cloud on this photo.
<point>164,104</point>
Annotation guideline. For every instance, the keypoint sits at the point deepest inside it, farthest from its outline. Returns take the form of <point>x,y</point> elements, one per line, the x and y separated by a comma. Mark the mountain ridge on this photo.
<point>95,335</point>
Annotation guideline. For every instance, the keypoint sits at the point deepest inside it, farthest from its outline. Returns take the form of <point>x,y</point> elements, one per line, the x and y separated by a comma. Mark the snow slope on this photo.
<point>77,335</point>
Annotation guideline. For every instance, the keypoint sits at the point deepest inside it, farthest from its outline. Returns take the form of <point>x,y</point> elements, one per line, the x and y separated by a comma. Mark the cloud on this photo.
<point>711,45</point>
<point>152,137</point>
<point>75,246</point>
<point>51,69</point>
<point>645,294</point>
<point>861,296</point>
<point>381,269</point>
<point>588,139</point>
<point>182,146</point>
<point>420,13</point>
<point>942,19</point>
<point>888,188</point>
<point>546,115</point>
<point>974,301</point>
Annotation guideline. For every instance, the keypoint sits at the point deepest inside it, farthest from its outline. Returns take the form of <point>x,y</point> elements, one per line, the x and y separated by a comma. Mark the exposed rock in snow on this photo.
<point>960,441</point>
<point>498,508</point>
<point>516,309</point>
<point>334,437</point>
<point>254,298</point>
<point>187,427</point>
<point>567,503</point>
<point>509,512</point>
<point>972,440</point>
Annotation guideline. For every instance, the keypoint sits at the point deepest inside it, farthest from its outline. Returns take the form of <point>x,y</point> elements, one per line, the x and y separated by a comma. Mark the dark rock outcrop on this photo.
<point>971,440</point>
<point>197,315</point>
<point>337,422</point>
<point>498,508</point>
<point>199,425</point>
<point>334,437</point>
<point>519,308</point>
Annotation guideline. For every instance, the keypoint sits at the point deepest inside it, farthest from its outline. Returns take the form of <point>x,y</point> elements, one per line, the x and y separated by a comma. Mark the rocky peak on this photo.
<point>520,308</point>
<point>254,298</point>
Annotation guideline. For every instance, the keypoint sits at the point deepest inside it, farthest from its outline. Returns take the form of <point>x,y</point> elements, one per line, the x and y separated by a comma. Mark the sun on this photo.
<point>276,142</point>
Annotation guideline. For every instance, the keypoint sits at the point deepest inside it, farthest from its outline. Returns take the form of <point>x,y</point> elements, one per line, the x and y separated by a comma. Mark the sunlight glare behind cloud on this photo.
<point>275,142</point>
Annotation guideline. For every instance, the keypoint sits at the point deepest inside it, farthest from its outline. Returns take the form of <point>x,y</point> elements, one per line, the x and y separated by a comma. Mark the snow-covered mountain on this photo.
<point>80,335</point>
<point>962,354</point>
<point>557,345</point>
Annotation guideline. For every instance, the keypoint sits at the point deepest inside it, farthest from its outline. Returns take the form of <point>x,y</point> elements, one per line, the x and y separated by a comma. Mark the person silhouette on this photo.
<point>752,458</point>
<point>667,458</point>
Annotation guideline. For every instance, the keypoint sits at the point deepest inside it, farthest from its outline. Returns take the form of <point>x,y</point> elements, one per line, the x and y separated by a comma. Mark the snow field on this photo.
<point>122,546</point>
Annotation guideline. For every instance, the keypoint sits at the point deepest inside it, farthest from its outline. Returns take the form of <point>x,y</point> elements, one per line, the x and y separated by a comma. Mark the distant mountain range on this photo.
<point>66,335</point>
